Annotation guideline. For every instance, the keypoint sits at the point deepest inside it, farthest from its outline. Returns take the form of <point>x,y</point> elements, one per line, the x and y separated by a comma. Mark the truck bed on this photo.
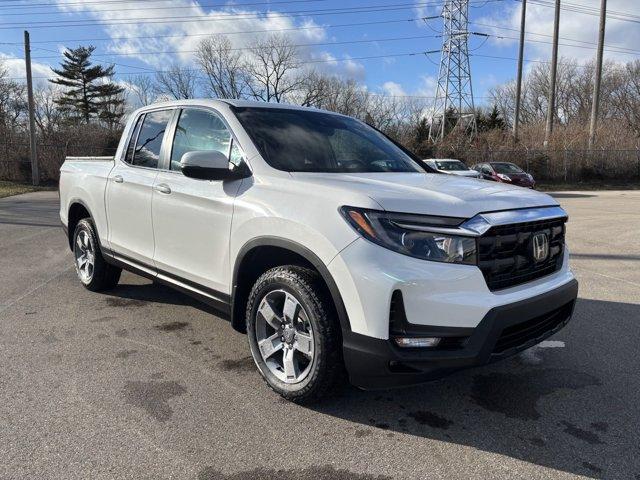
<point>85,179</point>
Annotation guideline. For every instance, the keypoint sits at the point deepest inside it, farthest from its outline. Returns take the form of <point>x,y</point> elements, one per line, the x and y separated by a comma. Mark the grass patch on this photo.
<point>7,189</point>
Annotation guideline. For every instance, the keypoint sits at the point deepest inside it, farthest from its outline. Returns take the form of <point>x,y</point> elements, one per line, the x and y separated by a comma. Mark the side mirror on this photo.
<point>206,165</point>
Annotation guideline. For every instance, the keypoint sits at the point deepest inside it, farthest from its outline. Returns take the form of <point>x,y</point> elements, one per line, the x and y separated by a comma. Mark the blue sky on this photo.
<point>392,30</point>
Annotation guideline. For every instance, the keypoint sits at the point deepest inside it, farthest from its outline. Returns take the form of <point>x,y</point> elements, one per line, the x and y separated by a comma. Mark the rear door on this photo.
<point>129,189</point>
<point>191,217</point>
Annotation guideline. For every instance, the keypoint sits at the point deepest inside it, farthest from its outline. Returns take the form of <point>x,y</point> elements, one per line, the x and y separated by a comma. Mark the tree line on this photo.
<point>80,110</point>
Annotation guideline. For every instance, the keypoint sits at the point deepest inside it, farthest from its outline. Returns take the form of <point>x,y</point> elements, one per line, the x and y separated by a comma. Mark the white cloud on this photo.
<point>428,86</point>
<point>575,28</point>
<point>15,69</point>
<point>393,89</point>
<point>330,64</point>
<point>241,26</point>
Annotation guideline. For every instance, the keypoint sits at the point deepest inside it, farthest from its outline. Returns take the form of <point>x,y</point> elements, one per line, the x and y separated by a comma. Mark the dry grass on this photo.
<point>8,189</point>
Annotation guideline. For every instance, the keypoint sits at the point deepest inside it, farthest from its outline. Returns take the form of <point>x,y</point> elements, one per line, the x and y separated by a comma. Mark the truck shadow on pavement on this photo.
<point>571,408</point>
<point>141,294</point>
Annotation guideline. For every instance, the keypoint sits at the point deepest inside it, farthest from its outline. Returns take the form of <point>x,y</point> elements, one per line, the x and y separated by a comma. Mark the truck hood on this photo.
<point>429,194</point>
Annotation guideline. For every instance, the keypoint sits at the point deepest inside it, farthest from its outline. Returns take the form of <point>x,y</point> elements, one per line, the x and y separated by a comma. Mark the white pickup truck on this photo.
<point>332,247</point>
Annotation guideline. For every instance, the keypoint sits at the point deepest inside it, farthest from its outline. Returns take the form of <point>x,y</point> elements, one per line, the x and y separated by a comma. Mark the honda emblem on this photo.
<point>540,246</point>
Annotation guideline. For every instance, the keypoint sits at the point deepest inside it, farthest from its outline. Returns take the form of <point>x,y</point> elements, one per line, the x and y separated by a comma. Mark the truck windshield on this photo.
<point>308,141</point>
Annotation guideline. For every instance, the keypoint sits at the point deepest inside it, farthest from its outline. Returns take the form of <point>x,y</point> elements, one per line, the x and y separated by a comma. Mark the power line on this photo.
<point>220,16</point>
<point>208,34</point>
<point>572,7</point>
<point>5,6</point>
<point>585,9</point>
<point>500,27</point>
<point>498,57</point>
<point>308,62</point>
<point>590,46</point>
<point>626,51</point>
<point>108,39</point>
<point>301,45</point>
<point>76,10</point>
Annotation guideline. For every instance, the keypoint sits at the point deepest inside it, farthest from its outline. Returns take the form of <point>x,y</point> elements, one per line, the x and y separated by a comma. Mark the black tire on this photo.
<point>327,368</point>
<point>103,275</point>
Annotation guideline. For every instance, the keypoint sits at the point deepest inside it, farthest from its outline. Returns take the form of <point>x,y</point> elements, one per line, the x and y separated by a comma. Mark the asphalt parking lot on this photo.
<point>144,382</point>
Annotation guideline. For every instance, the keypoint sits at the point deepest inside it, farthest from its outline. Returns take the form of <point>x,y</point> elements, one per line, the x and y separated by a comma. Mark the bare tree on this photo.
<point>625,96</point>
<point>225,73</point>
<point>143,89</point>
<point>274,67</point>
<point>12,101</point>
<point>48,115</point>
<point>177,82</point>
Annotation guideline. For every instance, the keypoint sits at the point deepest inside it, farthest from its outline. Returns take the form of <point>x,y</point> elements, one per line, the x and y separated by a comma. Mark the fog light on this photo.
<point>425,342</point>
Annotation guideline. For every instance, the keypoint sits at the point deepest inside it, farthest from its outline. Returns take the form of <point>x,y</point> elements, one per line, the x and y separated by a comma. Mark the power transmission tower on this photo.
<point>453,106</point>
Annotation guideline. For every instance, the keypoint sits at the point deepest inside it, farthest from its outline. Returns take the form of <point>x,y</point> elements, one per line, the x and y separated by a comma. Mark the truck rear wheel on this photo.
<point>293,334</point>
<point>92,270</point>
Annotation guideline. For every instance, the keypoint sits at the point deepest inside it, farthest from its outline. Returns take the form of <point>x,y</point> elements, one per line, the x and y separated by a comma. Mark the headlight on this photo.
<point>504,177</point>
<point>410,235</point>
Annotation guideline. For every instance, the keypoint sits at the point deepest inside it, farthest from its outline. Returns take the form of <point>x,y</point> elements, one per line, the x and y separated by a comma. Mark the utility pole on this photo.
<point>516,120</point>
<point>35,175</point>
<point>551,107</point>
<point>598,77</point>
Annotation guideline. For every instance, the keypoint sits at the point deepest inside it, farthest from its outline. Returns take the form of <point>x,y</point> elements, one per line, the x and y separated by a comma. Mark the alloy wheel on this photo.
<point>84,252</point>
<point>284,336</point>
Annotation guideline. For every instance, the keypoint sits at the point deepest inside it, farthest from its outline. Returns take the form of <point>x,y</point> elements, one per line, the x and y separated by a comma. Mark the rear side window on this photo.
<point>132,140</point>
<point>149,142</point>
<point>199,130</point>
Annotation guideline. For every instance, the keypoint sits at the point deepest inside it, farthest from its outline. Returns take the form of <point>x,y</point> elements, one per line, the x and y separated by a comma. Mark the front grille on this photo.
<point>538,327</point>
<point>505,253</point>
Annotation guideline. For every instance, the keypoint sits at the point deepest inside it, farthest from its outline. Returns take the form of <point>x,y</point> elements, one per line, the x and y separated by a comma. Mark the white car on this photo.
<point>451,166</point>
<point>328,244</point>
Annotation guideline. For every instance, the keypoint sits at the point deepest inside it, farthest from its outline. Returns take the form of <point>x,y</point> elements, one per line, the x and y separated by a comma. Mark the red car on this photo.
<point>505,172</point>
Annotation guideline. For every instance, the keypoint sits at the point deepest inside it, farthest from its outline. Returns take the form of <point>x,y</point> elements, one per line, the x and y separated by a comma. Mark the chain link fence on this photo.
<point>567,165</point>
<point>15,160</point>
<point>554,166</point>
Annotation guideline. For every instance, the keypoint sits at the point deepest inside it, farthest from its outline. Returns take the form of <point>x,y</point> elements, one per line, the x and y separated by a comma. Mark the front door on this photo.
<point>191,217</point>
<point>130,186</point>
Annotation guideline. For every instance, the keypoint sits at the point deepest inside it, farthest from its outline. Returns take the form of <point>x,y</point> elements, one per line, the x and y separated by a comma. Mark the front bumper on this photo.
<point>504,330</point>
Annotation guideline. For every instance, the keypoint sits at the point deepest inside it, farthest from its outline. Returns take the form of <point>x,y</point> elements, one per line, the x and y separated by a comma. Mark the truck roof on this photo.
<point>218,102</point>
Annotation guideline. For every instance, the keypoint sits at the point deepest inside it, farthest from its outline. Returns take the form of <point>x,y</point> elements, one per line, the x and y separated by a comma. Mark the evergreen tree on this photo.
<point>422,131</point>
<point>493,121</point>
<point>87,93</point>
<point>421,144</point>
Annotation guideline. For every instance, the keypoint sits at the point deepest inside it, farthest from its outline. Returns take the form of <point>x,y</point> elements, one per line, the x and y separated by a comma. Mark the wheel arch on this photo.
<point>299,254</point>
<point>78,210</point>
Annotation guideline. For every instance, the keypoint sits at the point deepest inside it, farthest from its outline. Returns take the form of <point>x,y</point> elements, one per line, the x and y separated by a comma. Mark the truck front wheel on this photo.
<point>293,333</point>
<point>92,270</point>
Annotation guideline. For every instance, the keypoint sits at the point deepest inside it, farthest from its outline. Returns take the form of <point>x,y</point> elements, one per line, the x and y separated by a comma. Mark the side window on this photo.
<point>486,169</point>
<point>147,150</point>
<point>199,130</point>
<point>132,140</point>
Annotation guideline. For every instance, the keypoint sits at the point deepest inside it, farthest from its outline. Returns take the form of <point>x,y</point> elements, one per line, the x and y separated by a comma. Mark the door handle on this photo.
<point>163,188</point>
<point>118,178</point>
